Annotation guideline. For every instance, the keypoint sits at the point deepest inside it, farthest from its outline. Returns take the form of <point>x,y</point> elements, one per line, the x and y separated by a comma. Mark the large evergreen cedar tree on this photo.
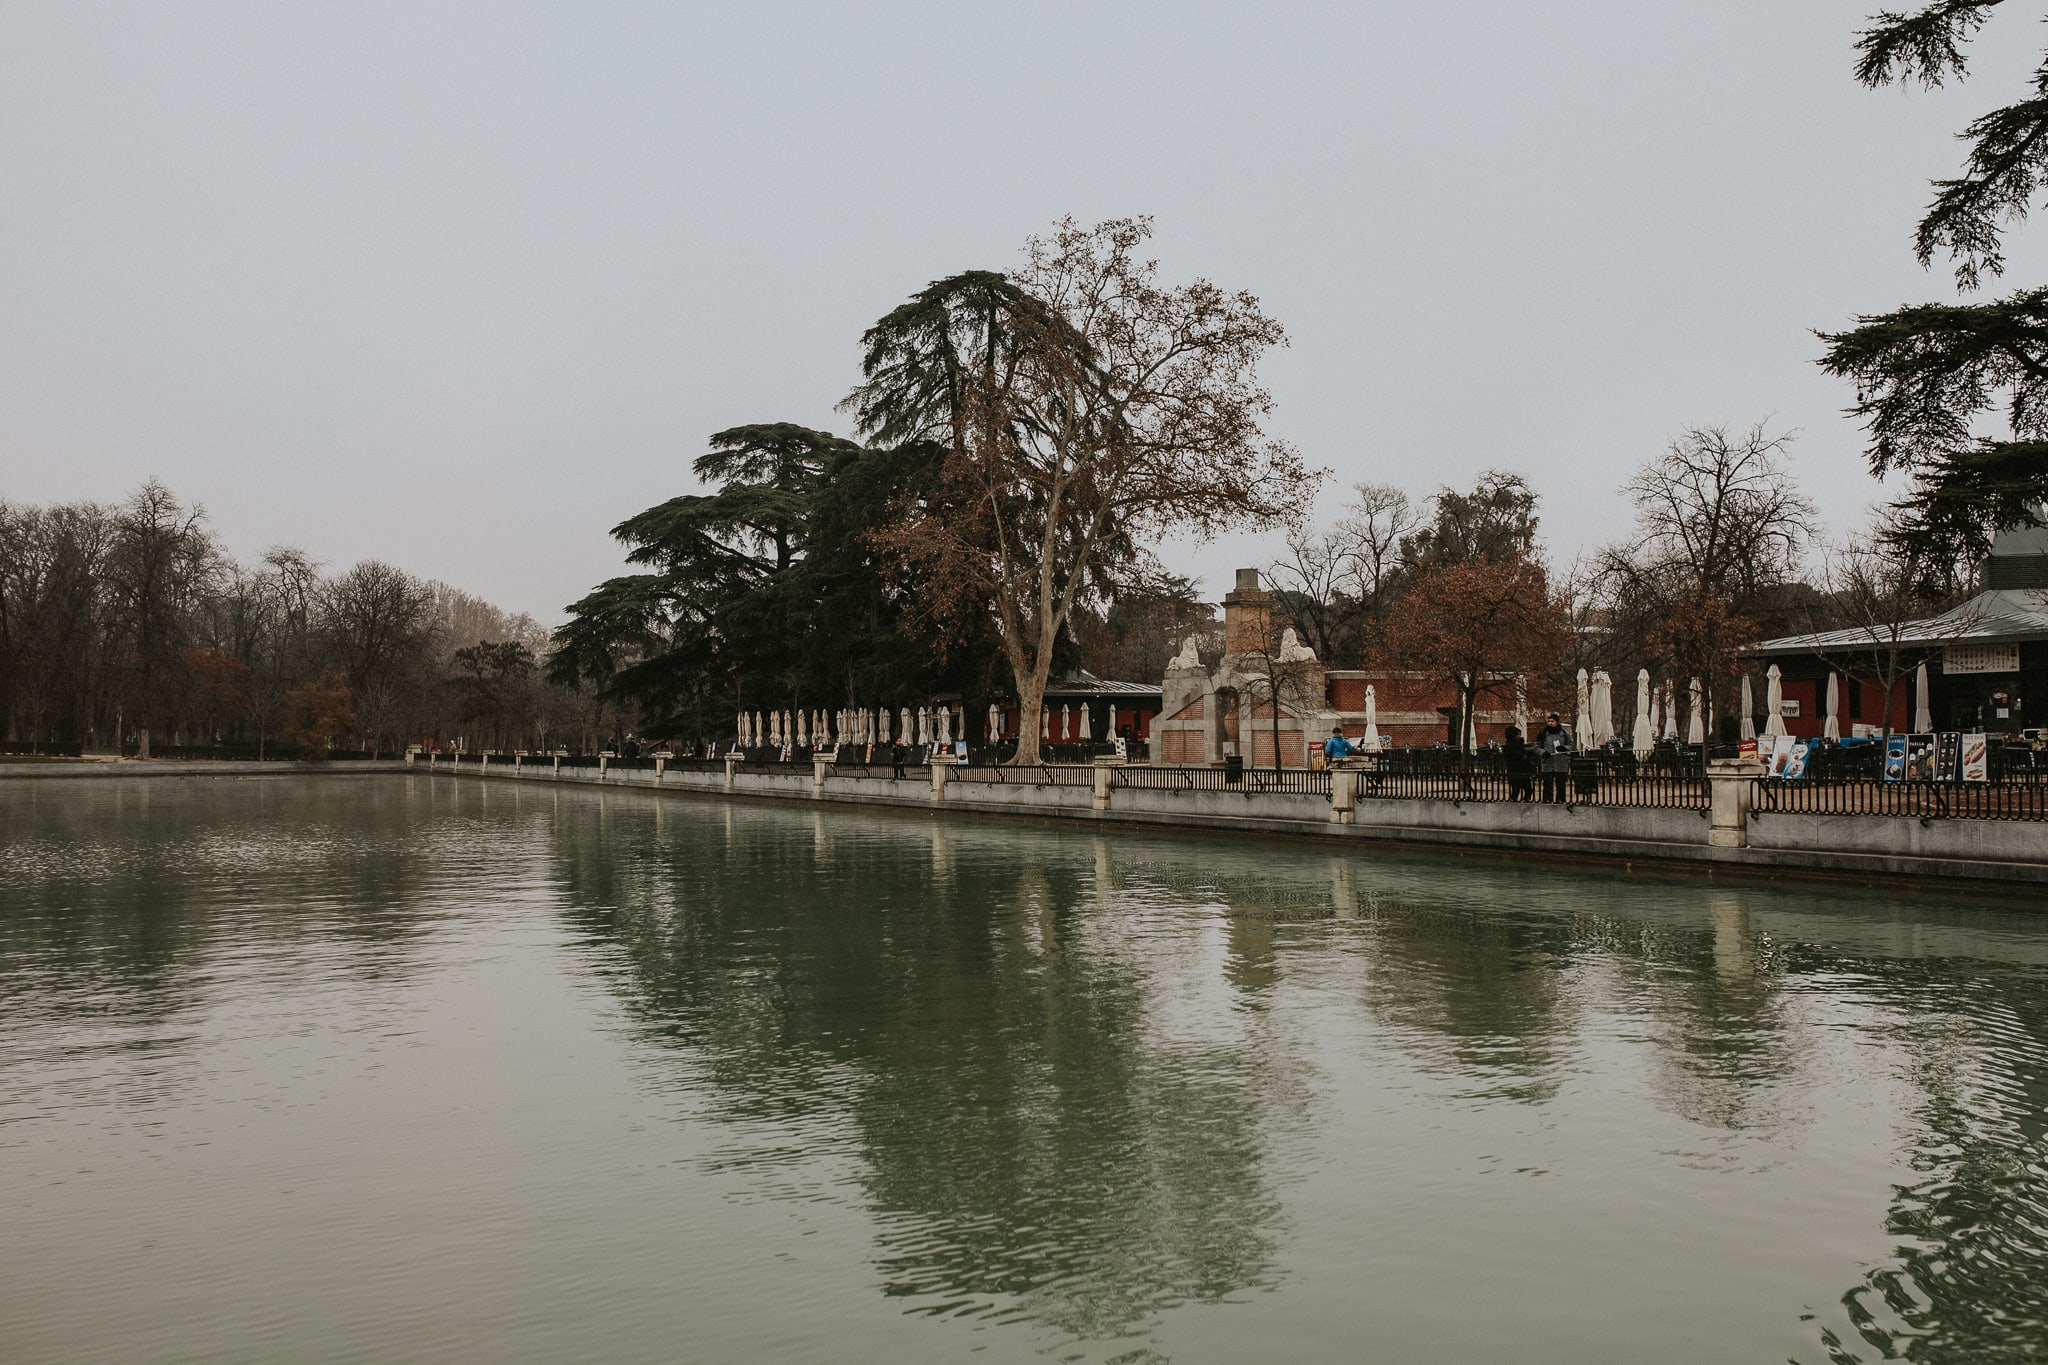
<point>1080,406</point>
<point>1925,373</point>
<point>769,587</point>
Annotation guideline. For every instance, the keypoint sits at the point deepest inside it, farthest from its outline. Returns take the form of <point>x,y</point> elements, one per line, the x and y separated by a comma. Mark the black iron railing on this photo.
<point>1027,775</point>
<point>29,748</point>
<point>2012,800</point>
<point>1672,778</point>
<point>1301,781</point>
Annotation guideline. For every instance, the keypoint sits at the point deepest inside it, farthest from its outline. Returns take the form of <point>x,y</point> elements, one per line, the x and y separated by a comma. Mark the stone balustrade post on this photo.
<point>1343,796</point>
<point>1105,782</point>
<point>518,760</point>
<point>821,764</point>
<point>558,765</point>
<point>732,763</point>
<point>483,764</point>
<point>1731,785</point>
<point>941,768</point>
<point>604,763</point>
<point>660,767</point>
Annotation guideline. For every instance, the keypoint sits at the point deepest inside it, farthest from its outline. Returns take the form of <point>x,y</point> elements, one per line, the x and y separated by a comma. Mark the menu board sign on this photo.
<point>1948,756</point>
<point>1981,659</point>
<point>1895,759</point>
<point>1919,758</point>
<point>1976,759</point>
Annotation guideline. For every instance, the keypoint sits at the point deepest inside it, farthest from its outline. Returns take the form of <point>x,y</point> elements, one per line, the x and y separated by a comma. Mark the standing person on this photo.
<point>896,758</point>
<point>1336,747</point>
<point>1521,768</point>
<point>1554,756</point>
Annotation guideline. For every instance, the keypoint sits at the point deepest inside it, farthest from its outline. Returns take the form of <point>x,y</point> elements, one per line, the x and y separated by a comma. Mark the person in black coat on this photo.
<point>1554,752</point>
<point>1521,767</point>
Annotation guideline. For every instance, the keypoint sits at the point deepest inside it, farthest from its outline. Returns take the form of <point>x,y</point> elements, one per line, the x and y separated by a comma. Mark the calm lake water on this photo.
<point>377,1068</point>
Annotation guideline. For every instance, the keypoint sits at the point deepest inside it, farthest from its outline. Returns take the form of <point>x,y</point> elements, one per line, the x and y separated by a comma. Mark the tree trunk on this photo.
<point>1030,707</point>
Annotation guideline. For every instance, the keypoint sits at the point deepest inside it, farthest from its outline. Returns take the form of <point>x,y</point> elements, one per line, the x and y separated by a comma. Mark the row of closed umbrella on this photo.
<point>853,725</point>
<point>864,725</point>
<point>1596,709</point>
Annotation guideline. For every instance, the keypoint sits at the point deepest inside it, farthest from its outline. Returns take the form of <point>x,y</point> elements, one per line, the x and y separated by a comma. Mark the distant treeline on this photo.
<point>129,625</point>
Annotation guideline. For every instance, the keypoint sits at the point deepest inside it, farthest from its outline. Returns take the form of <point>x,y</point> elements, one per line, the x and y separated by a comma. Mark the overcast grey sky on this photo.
<point>461,286</point>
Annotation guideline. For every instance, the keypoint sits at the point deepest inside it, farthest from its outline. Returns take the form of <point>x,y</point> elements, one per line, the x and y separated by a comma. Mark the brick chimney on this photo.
<point>1247,616</point>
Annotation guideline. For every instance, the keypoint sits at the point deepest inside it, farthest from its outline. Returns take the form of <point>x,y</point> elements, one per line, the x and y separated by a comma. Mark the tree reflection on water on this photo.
<point>1079,1079</point>
<point>1029,1140</point>
<point>1046,1116</point>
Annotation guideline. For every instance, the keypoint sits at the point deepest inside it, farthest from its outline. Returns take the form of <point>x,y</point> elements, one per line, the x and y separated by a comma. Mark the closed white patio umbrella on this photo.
<point>995,723</point>
<point>1085,735</point>
<point>1583,726</point>
<point>1371,740</point>
<point>1066,723</point>
<point>1774,701</point>
<point>1748,710</point>
<point>1670,710</point>
<point>1923,713</point>
<point>1044,723</point>
<point>1603,706</point>
<point>1833,729</point>
<point>904,731</point>
<point>1695,714</point>
<point>1521,703</point>
<point>1644,737</point>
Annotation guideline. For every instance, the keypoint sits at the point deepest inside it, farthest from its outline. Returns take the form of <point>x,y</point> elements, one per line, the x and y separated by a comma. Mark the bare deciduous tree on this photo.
<point>1087,406</point>
<point>1332,581</point>
<point>1720,524</point>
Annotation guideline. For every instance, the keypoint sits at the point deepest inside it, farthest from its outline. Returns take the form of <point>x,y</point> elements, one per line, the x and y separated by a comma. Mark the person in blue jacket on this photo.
<point>1336,746</point>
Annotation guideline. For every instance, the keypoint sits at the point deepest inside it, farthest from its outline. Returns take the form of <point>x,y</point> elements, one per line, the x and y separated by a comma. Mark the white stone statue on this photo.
<point>1190,655</point>
<point>1292,650</point>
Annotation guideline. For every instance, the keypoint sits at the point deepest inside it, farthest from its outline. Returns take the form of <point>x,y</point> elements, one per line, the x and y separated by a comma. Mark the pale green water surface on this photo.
<point>380,1068</point>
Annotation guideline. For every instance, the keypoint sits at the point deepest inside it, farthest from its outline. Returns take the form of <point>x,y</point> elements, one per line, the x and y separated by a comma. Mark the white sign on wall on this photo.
<point>1980,659</point>
<point>1789,708</point>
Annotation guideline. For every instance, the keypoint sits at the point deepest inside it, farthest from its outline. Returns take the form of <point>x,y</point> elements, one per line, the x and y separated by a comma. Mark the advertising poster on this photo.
<point>1919,758</point>
<point>1976,759</point>
<point>1895,759</point>
<point>1795,766</point>
<point>1948,755</point>
<point>1777,752</point>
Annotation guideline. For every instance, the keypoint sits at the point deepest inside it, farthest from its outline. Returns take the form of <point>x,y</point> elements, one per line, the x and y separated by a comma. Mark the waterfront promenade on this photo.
<point>1726,827</point>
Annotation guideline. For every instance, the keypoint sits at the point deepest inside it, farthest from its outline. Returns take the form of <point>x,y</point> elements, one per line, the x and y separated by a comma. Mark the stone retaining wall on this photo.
<point>1865,846</point>
<point>191,767</point>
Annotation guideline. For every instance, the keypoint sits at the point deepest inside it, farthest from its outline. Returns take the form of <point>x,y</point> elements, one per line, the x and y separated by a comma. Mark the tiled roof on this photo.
<point>1999,617</point>
<point>1085,684</point>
